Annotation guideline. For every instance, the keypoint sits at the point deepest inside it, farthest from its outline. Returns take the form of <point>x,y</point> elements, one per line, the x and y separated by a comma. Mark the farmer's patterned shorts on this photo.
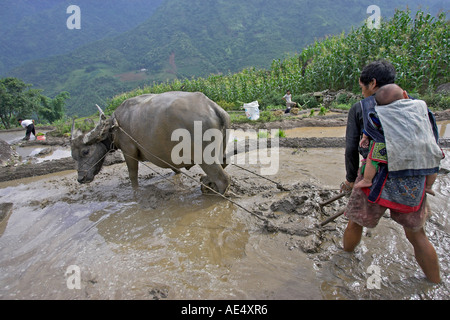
<point>367,214</point>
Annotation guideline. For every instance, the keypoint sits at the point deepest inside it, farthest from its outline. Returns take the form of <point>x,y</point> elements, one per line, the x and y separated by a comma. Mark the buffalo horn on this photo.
<point>74,133</point>
<point>73,129</point>
<point>102,114</point>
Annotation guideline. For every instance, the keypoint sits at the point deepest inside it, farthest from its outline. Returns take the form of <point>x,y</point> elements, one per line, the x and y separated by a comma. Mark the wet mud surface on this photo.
<point>167,240</point>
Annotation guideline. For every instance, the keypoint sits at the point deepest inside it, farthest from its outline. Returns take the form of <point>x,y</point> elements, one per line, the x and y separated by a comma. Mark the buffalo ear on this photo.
<point>100,132</point>
<point>75,133</point>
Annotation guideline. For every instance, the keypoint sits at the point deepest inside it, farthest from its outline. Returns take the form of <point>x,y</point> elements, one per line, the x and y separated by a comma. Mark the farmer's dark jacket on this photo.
<point>355,126</point>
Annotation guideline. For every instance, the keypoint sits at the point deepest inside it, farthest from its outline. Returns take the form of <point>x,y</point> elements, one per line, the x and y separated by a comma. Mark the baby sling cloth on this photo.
<point>410,132</point>
<point>410,141</point>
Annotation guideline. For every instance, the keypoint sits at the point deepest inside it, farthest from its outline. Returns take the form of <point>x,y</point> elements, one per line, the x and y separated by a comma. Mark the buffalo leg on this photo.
<point>133,168</point>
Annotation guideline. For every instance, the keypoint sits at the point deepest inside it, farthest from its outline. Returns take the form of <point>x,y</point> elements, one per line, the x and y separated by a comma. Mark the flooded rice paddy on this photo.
<point>169,241</point>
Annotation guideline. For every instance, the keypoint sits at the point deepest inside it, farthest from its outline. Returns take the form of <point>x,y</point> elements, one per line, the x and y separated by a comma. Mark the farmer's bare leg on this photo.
<point>352,236</point>
<point>425,254</point>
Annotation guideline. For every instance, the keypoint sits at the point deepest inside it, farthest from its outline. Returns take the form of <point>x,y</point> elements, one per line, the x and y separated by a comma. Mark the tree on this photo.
<point>16,98</point>
<point>53,109</point>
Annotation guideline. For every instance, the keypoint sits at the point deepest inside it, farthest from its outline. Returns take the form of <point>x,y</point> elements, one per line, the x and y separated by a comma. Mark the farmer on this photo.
<point>29,126</point>
<point>411,212</point>
<point>289,102</point>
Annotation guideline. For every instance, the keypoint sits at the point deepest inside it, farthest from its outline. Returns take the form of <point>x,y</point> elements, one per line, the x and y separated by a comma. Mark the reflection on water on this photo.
<point>16,136</point>
<point>304,132</point>
<point>189,244</point>
<point>28,152</point>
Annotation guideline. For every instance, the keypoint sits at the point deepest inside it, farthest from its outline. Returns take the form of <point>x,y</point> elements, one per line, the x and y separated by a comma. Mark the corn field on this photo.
<point>417,46</point>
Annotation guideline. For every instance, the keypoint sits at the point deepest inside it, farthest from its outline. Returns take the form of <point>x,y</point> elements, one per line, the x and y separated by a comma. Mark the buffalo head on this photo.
<point>89,150</point>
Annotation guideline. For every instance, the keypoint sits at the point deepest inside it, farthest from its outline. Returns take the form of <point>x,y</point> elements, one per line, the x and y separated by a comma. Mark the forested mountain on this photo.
<point>188,38</point>
<point>35,29</point>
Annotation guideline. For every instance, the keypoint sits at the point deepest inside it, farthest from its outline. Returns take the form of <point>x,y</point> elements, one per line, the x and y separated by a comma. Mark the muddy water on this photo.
<point>308,132</point>
<point>444,129</point>
<point>33,153</point>
<point>304,132</point>
<point>16,136</point>
<point>167,240</point>
<point>330,132</point>
<point>39,155</point>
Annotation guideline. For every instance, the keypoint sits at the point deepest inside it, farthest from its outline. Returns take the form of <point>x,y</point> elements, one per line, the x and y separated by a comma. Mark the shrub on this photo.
<point>307,101</point>
<point>437,101</point>
<point>229,106</point>
<point>281,134</point>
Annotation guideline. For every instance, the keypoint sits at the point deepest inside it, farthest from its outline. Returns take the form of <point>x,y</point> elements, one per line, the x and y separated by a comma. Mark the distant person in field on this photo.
<point>289,103</point>
<point>29,126</point>
<point>386,96</point>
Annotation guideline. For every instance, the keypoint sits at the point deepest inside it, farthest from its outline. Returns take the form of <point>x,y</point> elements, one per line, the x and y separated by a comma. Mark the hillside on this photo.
<point>185,39</point>
<point>33,30</point>
<point>414,42</point>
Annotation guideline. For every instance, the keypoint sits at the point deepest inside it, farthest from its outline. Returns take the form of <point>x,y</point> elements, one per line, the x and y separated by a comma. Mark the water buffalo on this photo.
<point>143,128</point>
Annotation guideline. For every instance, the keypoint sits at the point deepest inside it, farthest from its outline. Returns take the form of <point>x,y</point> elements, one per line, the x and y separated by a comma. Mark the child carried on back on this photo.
<point>386,97</point>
